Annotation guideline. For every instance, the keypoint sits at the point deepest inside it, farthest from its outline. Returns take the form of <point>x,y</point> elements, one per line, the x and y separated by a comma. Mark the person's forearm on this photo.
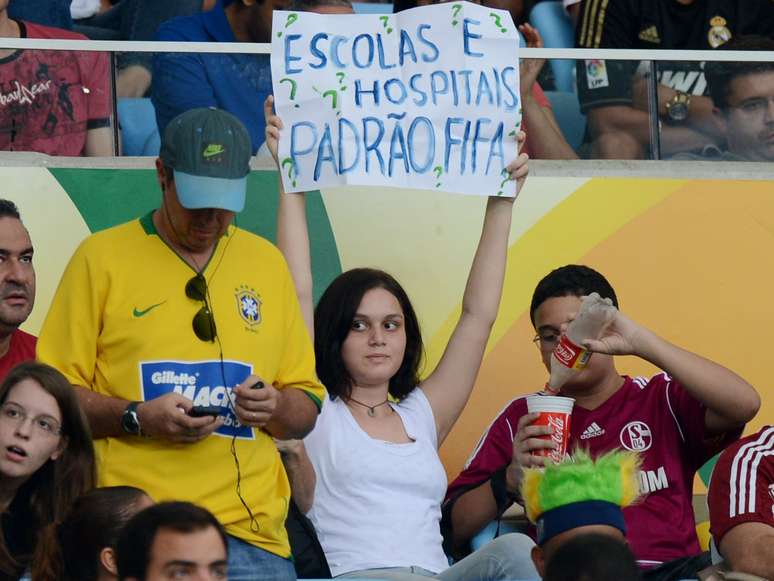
<point>483,290</point>
<point>294,416</point>
<point>721,390</point>
<point>99,142</point>
<point>103,412</point>
<point>302,477</point>
<point>545,139</point>
<point>747,549</point>
<point>293,242</point>
<point>618,119</point>
<point>471,512</point>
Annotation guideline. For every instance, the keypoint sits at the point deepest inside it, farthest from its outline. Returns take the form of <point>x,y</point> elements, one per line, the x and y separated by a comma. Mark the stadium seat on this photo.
<point>555,27</point>
<point>567,111</point>
<point>139,132</point>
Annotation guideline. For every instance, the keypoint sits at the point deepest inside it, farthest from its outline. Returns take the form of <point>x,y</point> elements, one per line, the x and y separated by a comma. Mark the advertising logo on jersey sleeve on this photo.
<point>205,383</point>
<point>596,74</point>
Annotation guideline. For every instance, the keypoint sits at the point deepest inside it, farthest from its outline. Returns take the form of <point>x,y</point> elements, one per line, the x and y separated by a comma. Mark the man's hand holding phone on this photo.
<point>256,401</point>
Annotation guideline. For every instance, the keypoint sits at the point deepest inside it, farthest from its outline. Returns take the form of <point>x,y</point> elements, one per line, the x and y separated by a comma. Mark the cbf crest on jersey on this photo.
<point>248,305</point>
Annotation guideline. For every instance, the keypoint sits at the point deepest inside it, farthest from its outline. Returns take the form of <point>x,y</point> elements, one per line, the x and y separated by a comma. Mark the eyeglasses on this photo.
<point>44,425</point>
<point>203,321</point>
<point>546,339</point>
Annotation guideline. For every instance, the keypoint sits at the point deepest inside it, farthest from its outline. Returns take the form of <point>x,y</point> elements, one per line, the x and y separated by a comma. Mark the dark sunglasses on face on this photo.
<point>203,321</point>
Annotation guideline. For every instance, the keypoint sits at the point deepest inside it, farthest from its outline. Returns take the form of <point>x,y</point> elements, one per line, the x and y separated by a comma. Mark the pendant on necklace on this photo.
<point>371,411</point>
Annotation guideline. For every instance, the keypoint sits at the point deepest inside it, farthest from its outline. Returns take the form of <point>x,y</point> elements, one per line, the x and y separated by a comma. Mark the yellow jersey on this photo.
<point>120,324</point>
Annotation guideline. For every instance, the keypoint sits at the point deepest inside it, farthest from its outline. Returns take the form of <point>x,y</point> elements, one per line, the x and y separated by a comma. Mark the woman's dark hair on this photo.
<point>133,550</point>
<point>55,486</point>
<point>333,321</point>
<point>95,521</point>
<point>571,280</point>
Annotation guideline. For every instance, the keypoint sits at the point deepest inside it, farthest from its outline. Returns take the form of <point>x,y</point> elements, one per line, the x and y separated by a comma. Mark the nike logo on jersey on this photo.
<point>592,431</point>
<point>138,313</point>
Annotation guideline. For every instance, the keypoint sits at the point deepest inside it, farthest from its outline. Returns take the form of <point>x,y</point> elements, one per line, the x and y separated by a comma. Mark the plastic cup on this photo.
<point>555,412</point>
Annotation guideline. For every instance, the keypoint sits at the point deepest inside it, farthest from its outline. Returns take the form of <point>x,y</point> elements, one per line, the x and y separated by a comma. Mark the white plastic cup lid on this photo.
<point>549,403</point>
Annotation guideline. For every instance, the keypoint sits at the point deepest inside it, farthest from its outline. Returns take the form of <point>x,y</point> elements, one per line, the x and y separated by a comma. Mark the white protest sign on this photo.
<point>426,99</point>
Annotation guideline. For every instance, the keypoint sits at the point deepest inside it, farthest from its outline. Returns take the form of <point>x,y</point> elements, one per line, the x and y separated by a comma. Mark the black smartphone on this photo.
<point>200,411</point>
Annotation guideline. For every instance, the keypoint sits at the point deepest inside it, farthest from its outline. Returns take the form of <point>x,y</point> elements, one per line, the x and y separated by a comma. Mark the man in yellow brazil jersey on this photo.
<point>183,336</point>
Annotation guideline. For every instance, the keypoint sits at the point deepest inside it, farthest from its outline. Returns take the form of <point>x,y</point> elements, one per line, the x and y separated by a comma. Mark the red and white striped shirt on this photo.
<point>742,485</point>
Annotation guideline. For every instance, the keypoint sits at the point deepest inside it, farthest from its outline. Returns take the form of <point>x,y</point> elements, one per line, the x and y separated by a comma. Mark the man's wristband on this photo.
<point>503,497</point>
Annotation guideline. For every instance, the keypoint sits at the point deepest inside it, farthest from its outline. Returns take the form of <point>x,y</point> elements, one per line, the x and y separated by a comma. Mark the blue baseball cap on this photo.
<point>209,152</point>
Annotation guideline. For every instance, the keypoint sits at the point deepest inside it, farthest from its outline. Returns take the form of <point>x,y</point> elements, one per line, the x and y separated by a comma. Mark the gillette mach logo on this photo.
<point>653,480</point>
<point>171,377</point>
<point>204,383</point>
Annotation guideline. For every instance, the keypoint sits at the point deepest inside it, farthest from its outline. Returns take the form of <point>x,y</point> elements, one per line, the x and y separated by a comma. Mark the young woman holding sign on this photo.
<point>372,475</point>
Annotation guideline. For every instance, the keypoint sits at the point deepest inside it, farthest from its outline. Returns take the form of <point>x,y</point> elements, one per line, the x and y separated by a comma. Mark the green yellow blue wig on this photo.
<point>581,491</point>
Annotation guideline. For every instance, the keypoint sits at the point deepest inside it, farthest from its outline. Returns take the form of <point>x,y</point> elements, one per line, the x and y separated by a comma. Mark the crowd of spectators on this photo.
<point>60,103</point>
<point>151,410</point>
<point>195,425</point>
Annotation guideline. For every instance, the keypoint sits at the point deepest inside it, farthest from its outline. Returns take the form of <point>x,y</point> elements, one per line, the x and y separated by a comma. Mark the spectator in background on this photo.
<point>123,20</point>
<point>237,83</point>
<point>173,540</point>
<point>544,137</point>
<point>614,94</point>
<point>592,557</point>
<point>743,95</point>
<point>135,20</point>
<point>17,289</point>
<point>89,534</point>
<point>741,504</point>
<point>54,102</point>
<point>47,462</point>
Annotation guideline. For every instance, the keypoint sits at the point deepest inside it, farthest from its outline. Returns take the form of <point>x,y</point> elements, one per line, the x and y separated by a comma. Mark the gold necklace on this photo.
<point>371,408</point>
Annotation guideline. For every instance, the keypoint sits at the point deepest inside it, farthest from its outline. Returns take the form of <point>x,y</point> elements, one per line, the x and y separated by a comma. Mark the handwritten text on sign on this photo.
<point>427,98</point>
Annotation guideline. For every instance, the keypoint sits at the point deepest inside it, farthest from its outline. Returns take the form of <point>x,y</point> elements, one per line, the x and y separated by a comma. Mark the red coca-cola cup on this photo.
<point>555,412</point>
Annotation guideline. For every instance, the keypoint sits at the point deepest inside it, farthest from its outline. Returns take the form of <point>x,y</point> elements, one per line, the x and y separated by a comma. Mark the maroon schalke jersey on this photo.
<point>657,418</point>
<point>742,486</point>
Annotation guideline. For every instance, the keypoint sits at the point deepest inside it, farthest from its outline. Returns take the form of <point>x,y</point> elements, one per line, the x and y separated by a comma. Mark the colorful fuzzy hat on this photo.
<point>580,491</point>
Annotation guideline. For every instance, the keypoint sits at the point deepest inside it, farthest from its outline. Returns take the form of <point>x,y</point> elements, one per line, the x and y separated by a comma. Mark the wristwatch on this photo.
<point>130,422</point>
<point>677,107</point>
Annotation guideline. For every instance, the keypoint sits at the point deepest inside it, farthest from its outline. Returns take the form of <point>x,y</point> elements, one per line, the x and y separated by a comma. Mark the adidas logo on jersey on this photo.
<point>650,34</point>
<point>592,431</point>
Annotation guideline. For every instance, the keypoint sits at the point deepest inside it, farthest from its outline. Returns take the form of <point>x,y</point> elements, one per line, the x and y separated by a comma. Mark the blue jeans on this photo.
<point>506,557</point>
<point>247,562</point>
